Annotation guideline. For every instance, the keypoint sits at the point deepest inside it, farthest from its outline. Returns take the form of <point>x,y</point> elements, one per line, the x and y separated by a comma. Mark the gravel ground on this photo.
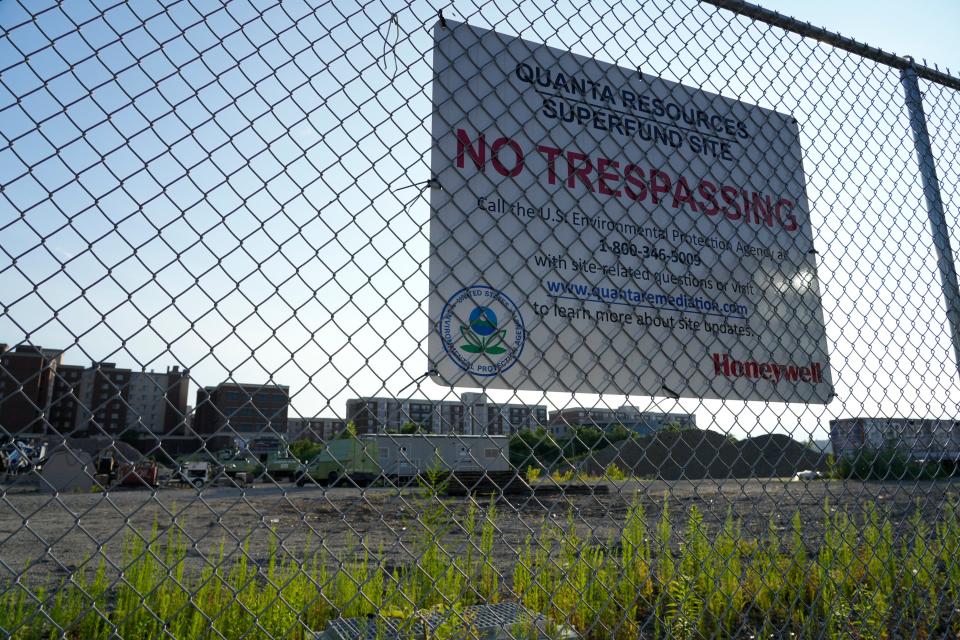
<point>44,537</point>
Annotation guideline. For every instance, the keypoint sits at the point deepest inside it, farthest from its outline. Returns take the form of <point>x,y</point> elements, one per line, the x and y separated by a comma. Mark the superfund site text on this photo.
<point>630,112</point>
<point>625,180</point>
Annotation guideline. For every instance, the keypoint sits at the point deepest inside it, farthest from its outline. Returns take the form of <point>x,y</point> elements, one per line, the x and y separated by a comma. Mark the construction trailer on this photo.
<point>419,454</point>
<point>467,459</point>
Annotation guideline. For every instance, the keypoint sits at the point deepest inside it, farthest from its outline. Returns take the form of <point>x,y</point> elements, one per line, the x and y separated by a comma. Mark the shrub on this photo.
<point>885,464</point>
<point>615,473</point>
<point>305,450</point>
<point>533,474</point>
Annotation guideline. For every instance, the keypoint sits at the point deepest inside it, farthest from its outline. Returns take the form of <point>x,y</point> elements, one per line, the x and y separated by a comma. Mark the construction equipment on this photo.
<point>17,456</point>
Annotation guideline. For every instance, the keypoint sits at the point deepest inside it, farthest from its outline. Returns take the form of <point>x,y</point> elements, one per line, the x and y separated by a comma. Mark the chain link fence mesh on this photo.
<point>219,412</point>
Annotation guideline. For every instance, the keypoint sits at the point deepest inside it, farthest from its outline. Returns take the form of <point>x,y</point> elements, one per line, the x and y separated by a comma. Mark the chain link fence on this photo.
<point>372,320</point>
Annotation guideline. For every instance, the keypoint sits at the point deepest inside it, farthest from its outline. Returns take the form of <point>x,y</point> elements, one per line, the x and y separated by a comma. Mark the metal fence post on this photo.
<point>931,193</point>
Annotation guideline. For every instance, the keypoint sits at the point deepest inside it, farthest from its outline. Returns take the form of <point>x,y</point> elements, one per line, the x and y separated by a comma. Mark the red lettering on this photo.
<point>582,172</point>
<point>660,187</point>
<point>500,143</point>
<point>791,220</point>
<point>683,195</point>
<point>464,144</point>
<point>721,365</point>
<point>603,175</point>
<point>729,195</point>
<point>552,153</point>
<point>638,182</point>
<point>708,191</point>
<point>724,365</point>
<point>762,209</point>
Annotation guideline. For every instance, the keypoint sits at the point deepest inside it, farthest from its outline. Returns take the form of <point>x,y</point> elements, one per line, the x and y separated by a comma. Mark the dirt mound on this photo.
<point>777,455</point>
<point>95,446</point>
<point>697,454</point>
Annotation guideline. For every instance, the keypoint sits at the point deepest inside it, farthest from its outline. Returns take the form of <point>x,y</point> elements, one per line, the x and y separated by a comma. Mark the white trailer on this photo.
<point>417,454</point>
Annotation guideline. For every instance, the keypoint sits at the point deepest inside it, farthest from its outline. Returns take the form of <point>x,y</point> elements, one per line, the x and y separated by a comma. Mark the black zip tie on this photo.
<point>443,21</point>
<point>432,183</point>
<point>392,22</point>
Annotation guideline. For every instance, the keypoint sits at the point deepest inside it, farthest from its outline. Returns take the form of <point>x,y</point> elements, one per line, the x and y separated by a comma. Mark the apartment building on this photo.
<point>473,414</point>
<point>27,376</point>
<point>39,394</point>
<point>918,438</point>
<point>241,410</point>
<point>641,422</point>
<point>315,429</point>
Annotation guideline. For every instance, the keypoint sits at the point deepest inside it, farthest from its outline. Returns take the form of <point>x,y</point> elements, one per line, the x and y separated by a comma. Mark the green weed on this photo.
<point>853,579</point>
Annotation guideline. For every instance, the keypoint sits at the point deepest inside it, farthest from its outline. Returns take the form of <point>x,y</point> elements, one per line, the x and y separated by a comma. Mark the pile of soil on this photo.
<point>697,454</point>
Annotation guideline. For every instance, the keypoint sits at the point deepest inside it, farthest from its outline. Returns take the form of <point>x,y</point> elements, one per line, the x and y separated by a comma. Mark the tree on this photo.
<point>349,432</point>
<point>305,450</point>
<point>411,427</point>
<point>534,448</point>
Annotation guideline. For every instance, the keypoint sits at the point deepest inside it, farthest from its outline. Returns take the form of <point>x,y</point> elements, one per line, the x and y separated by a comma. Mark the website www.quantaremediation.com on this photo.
<point>635,298</point>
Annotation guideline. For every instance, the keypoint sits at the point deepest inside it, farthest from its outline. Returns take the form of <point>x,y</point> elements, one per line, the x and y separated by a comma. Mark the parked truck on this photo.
<point>279,465</point>
<point>351,458</point>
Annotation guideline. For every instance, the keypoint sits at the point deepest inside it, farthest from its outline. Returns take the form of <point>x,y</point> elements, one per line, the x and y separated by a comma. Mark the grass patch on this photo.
<point>858,581</point>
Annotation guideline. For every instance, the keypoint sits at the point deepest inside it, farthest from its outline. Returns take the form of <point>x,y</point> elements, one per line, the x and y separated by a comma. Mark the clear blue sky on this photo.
<point>920,28</point>
<point>239,202</point>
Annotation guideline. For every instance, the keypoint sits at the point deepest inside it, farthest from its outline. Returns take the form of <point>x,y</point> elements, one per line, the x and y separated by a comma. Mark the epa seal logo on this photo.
<point>482,330</point>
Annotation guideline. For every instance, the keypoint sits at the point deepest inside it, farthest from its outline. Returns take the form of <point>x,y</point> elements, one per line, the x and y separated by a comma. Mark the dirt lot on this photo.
<point>45,536</point>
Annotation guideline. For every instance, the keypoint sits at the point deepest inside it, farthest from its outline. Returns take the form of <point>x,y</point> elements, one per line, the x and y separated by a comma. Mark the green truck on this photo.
<point>351,459</point>
<point>278,465</point>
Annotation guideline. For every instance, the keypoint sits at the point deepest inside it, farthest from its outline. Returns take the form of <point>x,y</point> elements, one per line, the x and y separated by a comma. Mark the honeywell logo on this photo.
<point>724,365</point>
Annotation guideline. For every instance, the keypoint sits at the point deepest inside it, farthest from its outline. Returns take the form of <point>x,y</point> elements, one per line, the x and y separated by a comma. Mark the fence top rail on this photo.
<point>806,29</point>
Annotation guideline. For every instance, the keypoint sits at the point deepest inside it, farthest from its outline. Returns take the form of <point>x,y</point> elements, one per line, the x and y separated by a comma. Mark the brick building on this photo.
<point>26,387</point>
<point>41,395</point>
<point>243,410</point>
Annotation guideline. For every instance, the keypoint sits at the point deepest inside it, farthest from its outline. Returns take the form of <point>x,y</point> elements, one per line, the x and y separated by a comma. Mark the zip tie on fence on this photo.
<point>443,21</point>
<point>393,24</point>
<point>432,183</point>
<point>419,379</point>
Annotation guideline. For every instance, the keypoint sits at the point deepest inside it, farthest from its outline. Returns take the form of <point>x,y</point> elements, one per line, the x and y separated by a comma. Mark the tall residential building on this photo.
<point>65,402</point>
<point>473,414</point>
<point>918,438</point>
<point>104,399</point>
<point>641,422</point>
<point>39,395</point>
<point>27,376</point>
<point>244,410</point>
<point>315,429</point>
<point>158,401</point>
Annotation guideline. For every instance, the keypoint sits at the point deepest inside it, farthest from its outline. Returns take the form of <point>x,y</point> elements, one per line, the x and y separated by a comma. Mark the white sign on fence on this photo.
<point>600,230</point>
